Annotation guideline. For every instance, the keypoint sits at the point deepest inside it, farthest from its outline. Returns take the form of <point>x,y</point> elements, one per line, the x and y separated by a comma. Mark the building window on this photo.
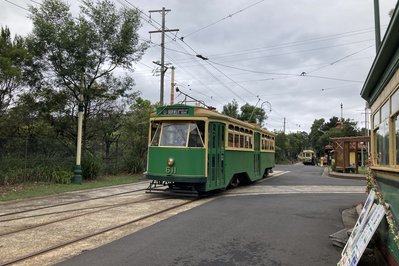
<point>396,130</point>
<point>376,119</point>
<point>382,143</point>
<point>395,102</point>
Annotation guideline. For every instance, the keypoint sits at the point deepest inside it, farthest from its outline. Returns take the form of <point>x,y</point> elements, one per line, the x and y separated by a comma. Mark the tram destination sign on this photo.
<point>175,111</point>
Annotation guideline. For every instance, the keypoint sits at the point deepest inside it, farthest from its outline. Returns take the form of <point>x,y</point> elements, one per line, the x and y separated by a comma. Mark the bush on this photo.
<point>91,167</point>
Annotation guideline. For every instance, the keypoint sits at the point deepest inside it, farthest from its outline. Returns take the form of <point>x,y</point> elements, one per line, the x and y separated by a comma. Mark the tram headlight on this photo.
<point>171,161</point>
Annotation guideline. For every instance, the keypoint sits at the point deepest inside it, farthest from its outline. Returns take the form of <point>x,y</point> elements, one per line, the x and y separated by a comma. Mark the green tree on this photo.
<point>135,135</point>
<point>281,147</point>
<point>231,109</point>
<point>12,57</point>
<point>296,142</point>
<point>248,113</point>
<point>80,54</point>
<point>322,131</point>
<point>252,114</point>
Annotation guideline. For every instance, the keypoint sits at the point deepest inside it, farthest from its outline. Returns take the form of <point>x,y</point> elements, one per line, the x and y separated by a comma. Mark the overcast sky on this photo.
<point>257,51</point>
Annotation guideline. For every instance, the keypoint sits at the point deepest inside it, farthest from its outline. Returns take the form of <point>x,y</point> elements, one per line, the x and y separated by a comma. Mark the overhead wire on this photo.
<point>167,35</point>
<point>284,74</point>
<point>343,58</point>
<point>225,75</point>
<point>17,5</point>
<point>224,18</point>
<point>295,43</point>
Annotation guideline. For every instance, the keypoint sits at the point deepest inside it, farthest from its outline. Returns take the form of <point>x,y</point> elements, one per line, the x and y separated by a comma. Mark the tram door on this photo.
<point>216,155</point>
<point>257,164</point>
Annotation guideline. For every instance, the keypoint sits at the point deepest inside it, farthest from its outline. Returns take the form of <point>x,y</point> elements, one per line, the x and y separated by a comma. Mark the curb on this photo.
<point>327,172</point>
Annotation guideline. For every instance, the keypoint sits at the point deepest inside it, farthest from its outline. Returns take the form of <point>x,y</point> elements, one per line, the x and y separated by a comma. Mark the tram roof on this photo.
<point>385,63</point>
<point>198,111</point>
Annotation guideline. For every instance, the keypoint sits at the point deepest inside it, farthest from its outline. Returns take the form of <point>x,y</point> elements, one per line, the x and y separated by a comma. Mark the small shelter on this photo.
<point>350,153</point>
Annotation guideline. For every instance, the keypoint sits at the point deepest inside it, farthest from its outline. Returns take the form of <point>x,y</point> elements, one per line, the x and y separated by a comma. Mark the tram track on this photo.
<point>69,203</point>
<point>104,208</point>
<point>97,233</point>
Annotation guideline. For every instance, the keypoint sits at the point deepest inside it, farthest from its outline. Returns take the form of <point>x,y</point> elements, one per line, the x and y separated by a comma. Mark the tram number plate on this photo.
<point>170,170</point>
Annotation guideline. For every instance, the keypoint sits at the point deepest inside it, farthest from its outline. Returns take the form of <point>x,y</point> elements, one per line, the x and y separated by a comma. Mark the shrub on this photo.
<point>91,167</point>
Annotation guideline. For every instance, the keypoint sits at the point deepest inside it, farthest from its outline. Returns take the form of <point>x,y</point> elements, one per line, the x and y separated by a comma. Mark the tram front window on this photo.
<point>174,135</point>
<point>182,135</point>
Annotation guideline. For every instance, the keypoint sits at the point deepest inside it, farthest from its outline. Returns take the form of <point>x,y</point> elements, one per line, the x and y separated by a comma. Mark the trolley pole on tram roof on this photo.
<point>162,31</point>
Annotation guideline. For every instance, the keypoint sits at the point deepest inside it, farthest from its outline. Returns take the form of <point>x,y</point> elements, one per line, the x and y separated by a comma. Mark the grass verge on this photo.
<point>29,190</point>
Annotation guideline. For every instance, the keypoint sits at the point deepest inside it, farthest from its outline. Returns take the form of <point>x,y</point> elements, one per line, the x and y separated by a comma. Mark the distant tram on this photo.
<point>307,157</point>
<point>193,150</point>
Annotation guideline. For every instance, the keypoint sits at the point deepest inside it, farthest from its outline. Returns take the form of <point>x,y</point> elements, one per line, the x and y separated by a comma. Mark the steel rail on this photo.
<point>46,250</point>
<point>71,202</point>
<point>108,207</point>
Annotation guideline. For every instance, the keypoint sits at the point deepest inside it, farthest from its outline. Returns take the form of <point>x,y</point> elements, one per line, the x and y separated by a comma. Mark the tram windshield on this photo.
<point>178,134</point>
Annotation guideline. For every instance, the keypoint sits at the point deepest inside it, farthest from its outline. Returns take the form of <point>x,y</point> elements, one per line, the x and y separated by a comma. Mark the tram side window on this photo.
<point>194,139</point>
<point>155,133</point>
<point>251,139</point>
<point>241,141</point>
<point>247,142</point>
<point>230,139</point>
<point>237,137</point>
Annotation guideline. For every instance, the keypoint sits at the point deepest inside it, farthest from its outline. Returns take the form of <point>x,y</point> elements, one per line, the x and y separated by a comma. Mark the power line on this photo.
<point>303,74</point>
<point>176,42</point>
<point>17,5</point>
<point>224,18</point>
<point>215,77</point>
<point>301,42</point>
<point>262,56</point>
<point>197,79</point>
<point>33,1</point>
<point>343,58</point>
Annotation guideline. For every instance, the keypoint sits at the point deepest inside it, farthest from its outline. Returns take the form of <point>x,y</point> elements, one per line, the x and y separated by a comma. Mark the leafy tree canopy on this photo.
<point>79,52</point>
<point>231,109</point>
<point>249,113</point>
<point>12,57</point>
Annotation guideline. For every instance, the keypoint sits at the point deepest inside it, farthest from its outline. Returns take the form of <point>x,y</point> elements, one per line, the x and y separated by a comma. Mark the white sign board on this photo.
<point>366,225</point>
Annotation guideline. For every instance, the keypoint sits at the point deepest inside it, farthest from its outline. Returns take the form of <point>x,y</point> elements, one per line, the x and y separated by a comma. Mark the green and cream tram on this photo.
<point>194,150</point>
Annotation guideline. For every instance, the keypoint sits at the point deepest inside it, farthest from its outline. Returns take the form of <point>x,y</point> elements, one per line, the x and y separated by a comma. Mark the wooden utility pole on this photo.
<point>342,114</point>
<point>162,31</point>
<point>284,126</point>
<point>172,87</point>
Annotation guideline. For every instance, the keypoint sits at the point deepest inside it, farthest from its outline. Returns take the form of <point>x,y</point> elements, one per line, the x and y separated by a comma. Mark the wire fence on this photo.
<point>33,159</point>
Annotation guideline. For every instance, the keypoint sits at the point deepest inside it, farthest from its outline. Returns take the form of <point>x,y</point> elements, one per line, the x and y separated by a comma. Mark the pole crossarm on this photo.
<point>162,31</point>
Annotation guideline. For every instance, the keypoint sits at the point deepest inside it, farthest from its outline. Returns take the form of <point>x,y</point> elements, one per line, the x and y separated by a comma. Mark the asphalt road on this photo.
<point>287,227</point>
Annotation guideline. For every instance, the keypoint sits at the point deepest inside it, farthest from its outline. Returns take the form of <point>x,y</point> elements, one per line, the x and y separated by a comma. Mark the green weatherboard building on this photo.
<point>381,91</point>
